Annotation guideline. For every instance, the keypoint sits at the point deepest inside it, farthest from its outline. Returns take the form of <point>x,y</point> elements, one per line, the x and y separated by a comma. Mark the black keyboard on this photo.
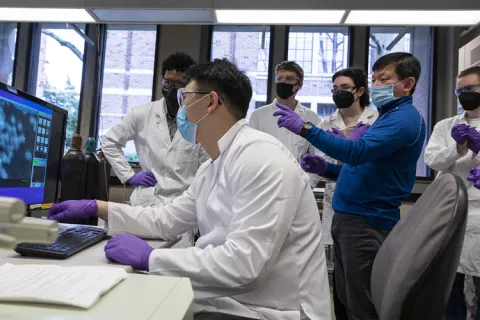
<point>69,242</point>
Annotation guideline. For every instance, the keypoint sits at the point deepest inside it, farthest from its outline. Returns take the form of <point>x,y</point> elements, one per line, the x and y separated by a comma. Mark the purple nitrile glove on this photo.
<point>288,119</point>
<point>475,177</point>
<point>335,132</point>
<point>314,164</point>
<point>69,211</point>
<point>459,133</point>
<point>473,140</point>
<point>129,250</point>
<point>358,131</point>
<point>143,178</point>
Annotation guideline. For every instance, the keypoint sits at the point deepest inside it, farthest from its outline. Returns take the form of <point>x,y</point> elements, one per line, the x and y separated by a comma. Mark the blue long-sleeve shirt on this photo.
<point>380,168</point>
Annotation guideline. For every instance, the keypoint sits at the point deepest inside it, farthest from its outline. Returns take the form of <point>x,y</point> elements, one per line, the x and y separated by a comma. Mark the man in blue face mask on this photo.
<point>377,175</point>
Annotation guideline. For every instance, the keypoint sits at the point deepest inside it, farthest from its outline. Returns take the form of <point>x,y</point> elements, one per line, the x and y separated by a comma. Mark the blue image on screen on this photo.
<point>19,172</point>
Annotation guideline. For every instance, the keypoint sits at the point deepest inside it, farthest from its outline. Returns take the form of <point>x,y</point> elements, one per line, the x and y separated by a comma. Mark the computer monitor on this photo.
<point>32,135</point>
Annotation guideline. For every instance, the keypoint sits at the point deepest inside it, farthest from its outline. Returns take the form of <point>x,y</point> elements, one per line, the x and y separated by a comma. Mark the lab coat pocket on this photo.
<point>143,196</point>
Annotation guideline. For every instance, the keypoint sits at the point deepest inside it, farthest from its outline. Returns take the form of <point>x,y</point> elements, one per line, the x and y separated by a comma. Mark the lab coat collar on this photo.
<point>365,117</point>
<point>162,123</point>
<point>228,137</point>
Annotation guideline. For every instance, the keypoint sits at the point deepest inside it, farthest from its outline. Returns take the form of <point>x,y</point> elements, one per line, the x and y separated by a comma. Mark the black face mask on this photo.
<point>284,90</point>
<point>469,100</point>
<point>171,99</point>
<point>343,99</point>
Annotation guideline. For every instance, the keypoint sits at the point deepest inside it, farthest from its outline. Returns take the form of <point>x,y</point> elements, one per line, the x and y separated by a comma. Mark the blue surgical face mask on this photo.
<point>382,95</point>
<point>188,129</point>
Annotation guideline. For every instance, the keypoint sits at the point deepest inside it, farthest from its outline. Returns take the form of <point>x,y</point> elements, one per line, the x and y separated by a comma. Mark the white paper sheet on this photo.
<point>73,286</point>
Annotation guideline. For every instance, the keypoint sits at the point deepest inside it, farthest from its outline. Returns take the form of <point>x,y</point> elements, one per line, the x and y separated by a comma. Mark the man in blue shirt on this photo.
<point>378,173</point>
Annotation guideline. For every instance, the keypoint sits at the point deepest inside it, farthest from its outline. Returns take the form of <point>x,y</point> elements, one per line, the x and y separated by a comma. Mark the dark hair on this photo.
<point>406,66</point>
<point>290,66</point>
<point>360,79</point>
<point>470,71</point>
<point>223,77</point>
<point>178,61</point>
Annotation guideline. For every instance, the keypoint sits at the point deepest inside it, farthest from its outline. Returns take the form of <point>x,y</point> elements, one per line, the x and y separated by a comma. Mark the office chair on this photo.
<point>414,270</point>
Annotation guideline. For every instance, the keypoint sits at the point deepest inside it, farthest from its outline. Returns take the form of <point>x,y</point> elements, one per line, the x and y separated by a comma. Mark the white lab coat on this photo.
<point>335,120</point>
<point>262,119</point>
<point>172,162</point>
<point>263,255</point>
<point>441,155</point>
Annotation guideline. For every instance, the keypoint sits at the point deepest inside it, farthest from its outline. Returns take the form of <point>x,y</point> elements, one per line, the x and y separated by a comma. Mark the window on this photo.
<point>300,49</point>
<point>321,51</point>
<point>127,75</point>
<point>239,44</point>
<point>60,69</point>
<point>419,42</point>
<point>8,37</point>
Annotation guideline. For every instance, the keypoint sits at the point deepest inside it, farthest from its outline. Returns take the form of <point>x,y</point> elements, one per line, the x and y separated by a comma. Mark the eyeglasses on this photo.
<point>286,79</point>
<point>181,93</point>
<point>172,84</point>
<point>343,88</point>
<point>469,88</point>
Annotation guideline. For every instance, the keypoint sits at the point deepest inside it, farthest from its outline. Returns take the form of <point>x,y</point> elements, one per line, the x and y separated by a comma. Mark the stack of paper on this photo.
<point>73,286</point>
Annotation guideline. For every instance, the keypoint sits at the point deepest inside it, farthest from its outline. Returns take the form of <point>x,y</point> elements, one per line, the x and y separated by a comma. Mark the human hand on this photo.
<point>288,119</point>
<point>475,177</point>
<point>473,140</point>
<point>143,178</point>
<point>313,164</point>
<point>358,131</point>
<point>459,133</point>
<point>129,250</point>
<point>72,210</point>
<point>335,132</point>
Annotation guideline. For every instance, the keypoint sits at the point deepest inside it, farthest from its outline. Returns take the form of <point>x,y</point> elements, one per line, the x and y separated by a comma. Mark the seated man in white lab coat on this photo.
<point>289,80</point>
<point>168,162</point>
<point>260,254</point>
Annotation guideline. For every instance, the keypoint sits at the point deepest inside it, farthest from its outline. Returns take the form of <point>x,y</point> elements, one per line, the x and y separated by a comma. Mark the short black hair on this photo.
<point>360,79</point>
<point>178,61</point>
<point>470,71</point>
<point>232,85</point>
<point>290,66</point>
<point>406,65</point>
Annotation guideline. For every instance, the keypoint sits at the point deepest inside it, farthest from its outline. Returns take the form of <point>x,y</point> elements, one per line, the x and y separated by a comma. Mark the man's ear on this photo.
<point>214,101</point>
<point>409,84</point>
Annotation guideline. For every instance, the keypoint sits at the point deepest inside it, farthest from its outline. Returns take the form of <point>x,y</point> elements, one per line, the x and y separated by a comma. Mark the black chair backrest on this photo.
<point>414,270</point>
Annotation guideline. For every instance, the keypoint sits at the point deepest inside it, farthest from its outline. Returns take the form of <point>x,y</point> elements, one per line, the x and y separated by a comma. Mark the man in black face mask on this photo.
<point>454,147</point>
<point>289,80</point>
<point>168,162</point>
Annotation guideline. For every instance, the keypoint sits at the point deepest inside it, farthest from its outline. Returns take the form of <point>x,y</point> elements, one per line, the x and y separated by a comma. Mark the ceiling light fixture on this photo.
<point>45,15</point>
<point>413,17</point>
<point>269,17</point>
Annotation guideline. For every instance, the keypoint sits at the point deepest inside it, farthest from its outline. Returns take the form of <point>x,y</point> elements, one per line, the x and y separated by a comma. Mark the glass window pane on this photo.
<point>127,76</point>
<point>60,69</point>
<point>8,38</point>
<point>239,44</point>
<point>418,41</point>
<point>325,51</point>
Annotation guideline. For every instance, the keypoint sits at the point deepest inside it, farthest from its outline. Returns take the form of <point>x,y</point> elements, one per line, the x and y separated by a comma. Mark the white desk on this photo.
<point>92,256</point>
<point>139,297</point>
